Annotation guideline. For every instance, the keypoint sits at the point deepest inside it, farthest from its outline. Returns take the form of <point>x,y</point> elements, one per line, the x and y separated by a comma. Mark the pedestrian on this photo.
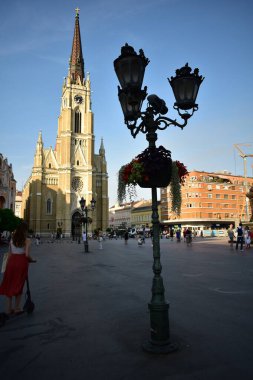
<point>188,236</point>
<point>126,237</point>
<point>140,241</point>
<point>37,237</point>
<point>184,234</point>
<point>171,234</point>
<point>178,235</point>
<point>239,239</point>
<point>84,237</point>
<point>247,237</point>
<point>100,241</point>
<point>231,235</point>
<point>16,271</point>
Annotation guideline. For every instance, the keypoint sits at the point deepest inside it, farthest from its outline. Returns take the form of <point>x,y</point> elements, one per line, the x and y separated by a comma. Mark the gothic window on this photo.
<point>77,162</point>
<point>49,206</point>
<point>78,119</point>
<point>49,165</point>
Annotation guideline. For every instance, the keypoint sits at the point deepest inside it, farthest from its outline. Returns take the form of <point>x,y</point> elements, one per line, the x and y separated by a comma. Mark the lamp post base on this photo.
<point>162,348</point>
<point>159,342</point>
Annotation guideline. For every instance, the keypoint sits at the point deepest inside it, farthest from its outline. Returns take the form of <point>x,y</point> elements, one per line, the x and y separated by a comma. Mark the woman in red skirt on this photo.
<point>16,270</point>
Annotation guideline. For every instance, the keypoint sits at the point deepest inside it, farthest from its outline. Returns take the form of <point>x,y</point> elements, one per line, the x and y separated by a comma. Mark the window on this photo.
<point>77,162</point>
<point>225,196</point>
<point>209,205</point>
<point>49,206</point>
<point>78,118</point>
<point>233,196</point>
<point>209,195</point>
<point>209,187</point>
<point>217,196</point>
<point>49,165</point>
<point>217,187</point>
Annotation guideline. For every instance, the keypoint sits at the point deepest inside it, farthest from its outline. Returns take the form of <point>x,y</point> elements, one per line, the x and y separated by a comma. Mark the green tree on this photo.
<point>8,221</point>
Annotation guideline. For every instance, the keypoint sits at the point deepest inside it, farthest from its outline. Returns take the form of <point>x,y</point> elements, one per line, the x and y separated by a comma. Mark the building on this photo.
<point>62,176</point>
<point>18,204</point>
<point>209,201</point>
<point>7,184</point>
<point>136,215</point>
<point>141,215</point>
<point>120,215</point>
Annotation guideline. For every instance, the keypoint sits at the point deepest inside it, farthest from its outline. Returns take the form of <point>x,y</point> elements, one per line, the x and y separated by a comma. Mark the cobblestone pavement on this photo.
<point>91,314</point>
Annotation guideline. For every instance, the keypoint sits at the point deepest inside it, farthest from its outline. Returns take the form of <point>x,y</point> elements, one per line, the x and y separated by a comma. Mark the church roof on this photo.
<point>76,59</point>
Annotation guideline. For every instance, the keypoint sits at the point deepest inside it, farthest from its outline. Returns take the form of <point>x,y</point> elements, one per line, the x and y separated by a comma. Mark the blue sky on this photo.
<point>215,36</point>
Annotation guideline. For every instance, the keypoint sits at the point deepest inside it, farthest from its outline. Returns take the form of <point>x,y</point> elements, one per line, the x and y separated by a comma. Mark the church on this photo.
<point>62,176</point>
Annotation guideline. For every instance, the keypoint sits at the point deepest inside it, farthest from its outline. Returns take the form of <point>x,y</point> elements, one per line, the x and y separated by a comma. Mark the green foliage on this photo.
<point>175,190</point>
<point>8,221</point>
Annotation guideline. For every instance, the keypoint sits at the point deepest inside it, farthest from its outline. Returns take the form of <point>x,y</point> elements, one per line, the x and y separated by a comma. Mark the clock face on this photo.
<point>78,99</point>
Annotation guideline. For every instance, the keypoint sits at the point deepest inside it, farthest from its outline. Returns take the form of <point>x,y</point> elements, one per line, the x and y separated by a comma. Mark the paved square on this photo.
<point>91,314</point>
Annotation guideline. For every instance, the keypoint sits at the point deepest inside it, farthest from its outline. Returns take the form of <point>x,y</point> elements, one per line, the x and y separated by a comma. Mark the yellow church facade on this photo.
<point>62,176</point>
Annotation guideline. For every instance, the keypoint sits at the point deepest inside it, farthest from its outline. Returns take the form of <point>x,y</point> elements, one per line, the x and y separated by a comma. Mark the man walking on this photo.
<point>231,235</point>
<point>239,239</point>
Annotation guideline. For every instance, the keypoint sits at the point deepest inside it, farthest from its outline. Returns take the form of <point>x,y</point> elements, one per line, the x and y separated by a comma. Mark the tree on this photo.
<point>8,221</point>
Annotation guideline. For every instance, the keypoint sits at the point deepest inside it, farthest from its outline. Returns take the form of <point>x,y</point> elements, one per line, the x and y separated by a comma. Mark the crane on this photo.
<point>244,156</point>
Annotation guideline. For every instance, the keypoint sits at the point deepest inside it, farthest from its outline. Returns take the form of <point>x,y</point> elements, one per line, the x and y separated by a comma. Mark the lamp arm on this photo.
<point>136,129</point>
<point>163,122</point>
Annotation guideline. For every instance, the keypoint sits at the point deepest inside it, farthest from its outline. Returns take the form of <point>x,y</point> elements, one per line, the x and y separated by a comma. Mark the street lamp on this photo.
<point>130,69</point>
<point>85,219</point>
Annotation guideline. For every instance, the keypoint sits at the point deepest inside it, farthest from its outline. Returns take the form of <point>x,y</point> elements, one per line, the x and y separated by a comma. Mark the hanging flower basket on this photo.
<point>179,172</point>
<point>157,167</point>
<point>152,168</point>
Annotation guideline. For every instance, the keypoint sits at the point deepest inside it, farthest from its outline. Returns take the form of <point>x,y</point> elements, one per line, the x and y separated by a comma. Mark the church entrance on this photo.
<point>76,227</point>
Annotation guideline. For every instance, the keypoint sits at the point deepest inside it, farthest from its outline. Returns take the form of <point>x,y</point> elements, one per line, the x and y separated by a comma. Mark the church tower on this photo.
<point>61,177</point>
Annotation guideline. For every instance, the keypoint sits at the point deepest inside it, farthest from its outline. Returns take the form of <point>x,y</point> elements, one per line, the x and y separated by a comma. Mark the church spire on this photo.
<point>76,59</point>
<point>102,148</point>
<point>38,157</point>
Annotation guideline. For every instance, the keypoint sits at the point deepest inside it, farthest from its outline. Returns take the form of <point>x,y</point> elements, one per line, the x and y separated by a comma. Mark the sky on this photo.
<point>215,36</point>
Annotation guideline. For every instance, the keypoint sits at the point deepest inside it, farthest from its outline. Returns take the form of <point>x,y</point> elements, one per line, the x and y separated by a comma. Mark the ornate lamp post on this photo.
<point>130,69</point>
<point>85,219</point>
